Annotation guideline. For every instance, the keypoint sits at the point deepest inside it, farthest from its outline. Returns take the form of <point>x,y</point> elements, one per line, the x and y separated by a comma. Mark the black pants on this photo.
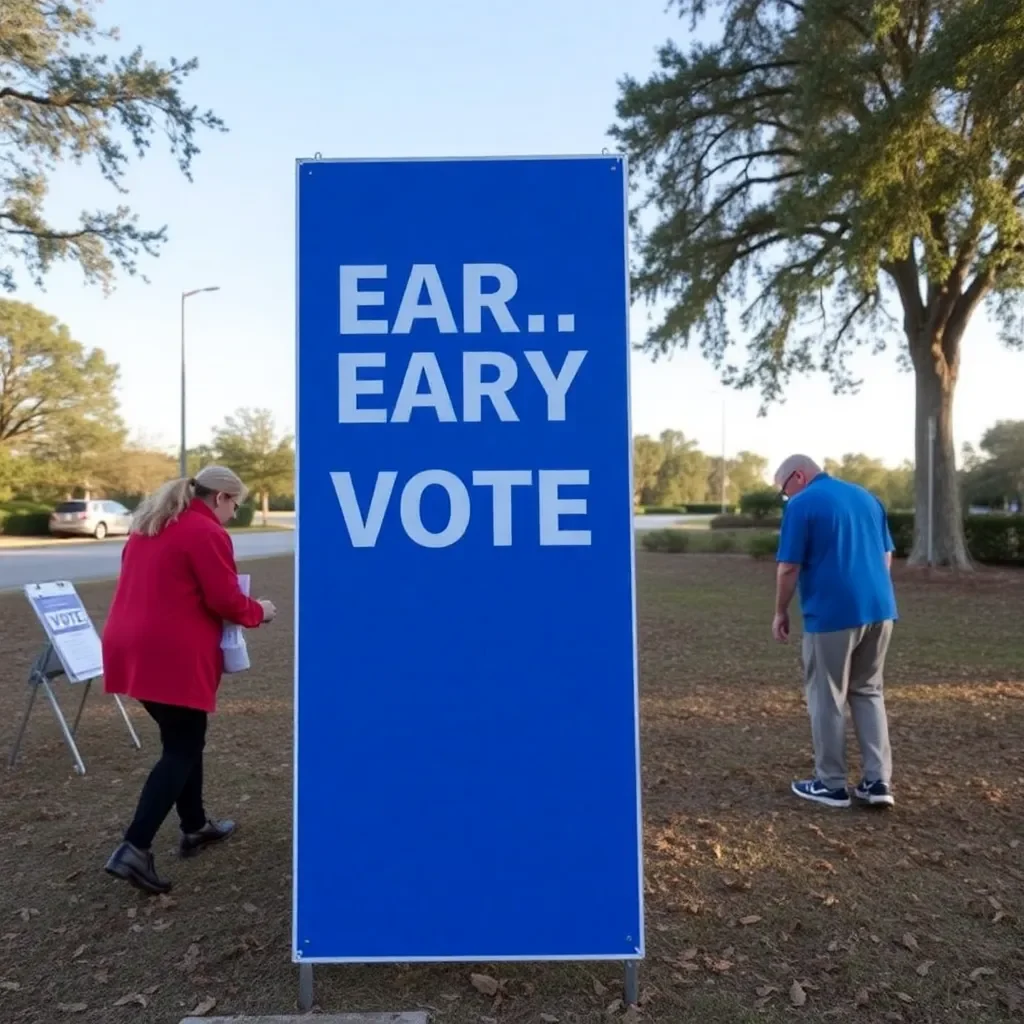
<point>176,779</point>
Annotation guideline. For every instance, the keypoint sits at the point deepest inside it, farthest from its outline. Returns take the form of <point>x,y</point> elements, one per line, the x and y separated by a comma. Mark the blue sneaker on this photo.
<point>875,794</point>
<point>812,789</point>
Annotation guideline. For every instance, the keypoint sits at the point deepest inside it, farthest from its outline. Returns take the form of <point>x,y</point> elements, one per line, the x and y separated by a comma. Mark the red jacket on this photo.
<point>161,641</point>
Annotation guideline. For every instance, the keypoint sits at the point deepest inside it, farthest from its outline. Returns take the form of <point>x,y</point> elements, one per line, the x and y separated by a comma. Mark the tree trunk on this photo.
<point>265,506</point>
<point>935,389</point>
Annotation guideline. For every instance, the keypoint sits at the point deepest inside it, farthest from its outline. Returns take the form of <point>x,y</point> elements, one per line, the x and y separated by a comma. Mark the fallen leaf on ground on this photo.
<point>249,908</point>
<point>982,972</point>
<point>78,952</point>
<point>862,998</point>
<point>203,1007</point>
<point>924,967</point>
<point>549,1018</point>
<point>797,995</point>
<point>903,997</point>
<point>9,986</point>
<point>484,983</point>
<point>763,991</point>
<point>599,989</point>
<point>909,941</point>
<point>136,998</point>
<point>750,919</point>
<point>613,1007</point>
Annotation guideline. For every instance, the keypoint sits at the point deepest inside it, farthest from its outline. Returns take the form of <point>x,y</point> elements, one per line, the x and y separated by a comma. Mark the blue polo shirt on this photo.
<point>838,534</point>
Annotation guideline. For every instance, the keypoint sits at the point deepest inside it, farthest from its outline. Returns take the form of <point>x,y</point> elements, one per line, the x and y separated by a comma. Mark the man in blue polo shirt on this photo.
<point>835,544</point>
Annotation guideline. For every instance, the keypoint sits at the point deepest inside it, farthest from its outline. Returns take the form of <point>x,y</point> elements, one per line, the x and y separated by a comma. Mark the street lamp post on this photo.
<point>183,452</point>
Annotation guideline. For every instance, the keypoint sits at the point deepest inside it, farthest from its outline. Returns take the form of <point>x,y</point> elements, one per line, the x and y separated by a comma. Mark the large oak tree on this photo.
<point>838,172</point>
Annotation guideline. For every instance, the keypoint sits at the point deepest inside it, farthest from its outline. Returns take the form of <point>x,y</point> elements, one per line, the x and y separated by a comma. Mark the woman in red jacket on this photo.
<point>161,645</point>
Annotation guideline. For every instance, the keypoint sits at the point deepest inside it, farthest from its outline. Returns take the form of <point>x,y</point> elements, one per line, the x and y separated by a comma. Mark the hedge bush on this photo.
<point>708,508</point>
<point>244,515</point>
<point>763,545</point>
<point>991,539</point>
<point>672,541</point>
<point>761,504</point>
<point>732,522</point>
<point>24,519</point>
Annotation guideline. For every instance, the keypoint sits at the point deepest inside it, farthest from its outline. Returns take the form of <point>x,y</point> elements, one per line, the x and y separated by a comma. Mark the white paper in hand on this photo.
<point>232,642</point>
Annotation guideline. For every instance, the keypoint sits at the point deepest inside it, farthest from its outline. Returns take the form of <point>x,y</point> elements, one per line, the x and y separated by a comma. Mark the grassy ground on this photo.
<point>758,908</point>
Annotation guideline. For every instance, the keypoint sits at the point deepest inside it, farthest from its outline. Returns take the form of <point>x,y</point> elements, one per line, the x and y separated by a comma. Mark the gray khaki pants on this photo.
<point>846,666</point>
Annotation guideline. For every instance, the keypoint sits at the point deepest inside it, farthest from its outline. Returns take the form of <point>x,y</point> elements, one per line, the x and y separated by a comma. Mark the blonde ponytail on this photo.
<point>164,506</point>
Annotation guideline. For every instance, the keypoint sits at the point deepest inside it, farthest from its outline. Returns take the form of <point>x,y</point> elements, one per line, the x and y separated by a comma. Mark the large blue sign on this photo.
<point>467,764</point>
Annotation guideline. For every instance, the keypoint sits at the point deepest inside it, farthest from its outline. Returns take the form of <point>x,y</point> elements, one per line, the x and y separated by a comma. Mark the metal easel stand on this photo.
<point>45,669</point>
<point>631,993</point>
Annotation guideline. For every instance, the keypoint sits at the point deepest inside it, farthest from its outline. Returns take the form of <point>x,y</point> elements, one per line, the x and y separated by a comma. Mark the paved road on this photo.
<point>99,561</point>
<point>85,561</point>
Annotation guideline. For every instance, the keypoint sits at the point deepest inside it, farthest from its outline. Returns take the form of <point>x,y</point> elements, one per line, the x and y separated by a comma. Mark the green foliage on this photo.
<point>991,539</point>
<point>668,541</point>
<point>673,473</point>
<point>893,487</point>
<point>244,516</point>
<point>746,472</point>
<point>996,540</point>
<point>706,508</point>
<point>763,545</point>
<point>248,443</point>
<point>814,148</point>
<point>746,522</point>
<point>995,475</point>
<point>724,543</point>
<point>829,170</point>
<point>761,504</point>
<point>64,98</point>
<point>24,519</point>
<point>901,527</point>
<point>663,510</point>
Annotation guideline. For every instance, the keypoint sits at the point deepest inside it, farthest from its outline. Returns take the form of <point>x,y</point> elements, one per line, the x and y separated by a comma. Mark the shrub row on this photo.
<point>759,545</point>
<point>30,519</point>
<point>744,522</point>
<point>24,519</point>
<point>697,509</point>
<point>991,539</point>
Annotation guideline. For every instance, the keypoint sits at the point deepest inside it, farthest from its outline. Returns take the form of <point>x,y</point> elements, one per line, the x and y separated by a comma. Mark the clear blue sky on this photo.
<point>407,78</point>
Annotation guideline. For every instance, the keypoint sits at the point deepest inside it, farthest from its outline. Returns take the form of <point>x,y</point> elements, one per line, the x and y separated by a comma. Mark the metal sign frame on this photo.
<point>617,164</point>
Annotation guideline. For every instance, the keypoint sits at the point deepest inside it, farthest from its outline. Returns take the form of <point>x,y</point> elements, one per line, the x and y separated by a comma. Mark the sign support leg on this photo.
<point>81,707</point>
<point>62,722</point>
<point>128,722</point>
<point>33,690</point>
<point>632,983</point>
<point>305,987</point>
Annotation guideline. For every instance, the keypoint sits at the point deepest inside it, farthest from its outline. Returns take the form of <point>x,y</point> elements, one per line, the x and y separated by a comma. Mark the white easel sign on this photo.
<point>72,650</point>
<point>69,628</point>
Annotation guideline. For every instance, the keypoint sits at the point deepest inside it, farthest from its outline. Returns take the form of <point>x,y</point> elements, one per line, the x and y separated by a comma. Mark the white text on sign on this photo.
<point>487,376</point>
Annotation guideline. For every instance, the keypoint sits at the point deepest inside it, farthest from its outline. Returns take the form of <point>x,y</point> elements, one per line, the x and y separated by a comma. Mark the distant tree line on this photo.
<point>62,435</point>
<point>672,471</point>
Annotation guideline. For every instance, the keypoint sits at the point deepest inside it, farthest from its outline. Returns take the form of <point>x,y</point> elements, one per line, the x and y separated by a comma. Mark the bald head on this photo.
<point>795,474</point>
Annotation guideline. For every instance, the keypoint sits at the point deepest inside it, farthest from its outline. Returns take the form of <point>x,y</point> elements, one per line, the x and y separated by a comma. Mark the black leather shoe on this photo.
<point>211,832</point>
<point>138,868</point>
